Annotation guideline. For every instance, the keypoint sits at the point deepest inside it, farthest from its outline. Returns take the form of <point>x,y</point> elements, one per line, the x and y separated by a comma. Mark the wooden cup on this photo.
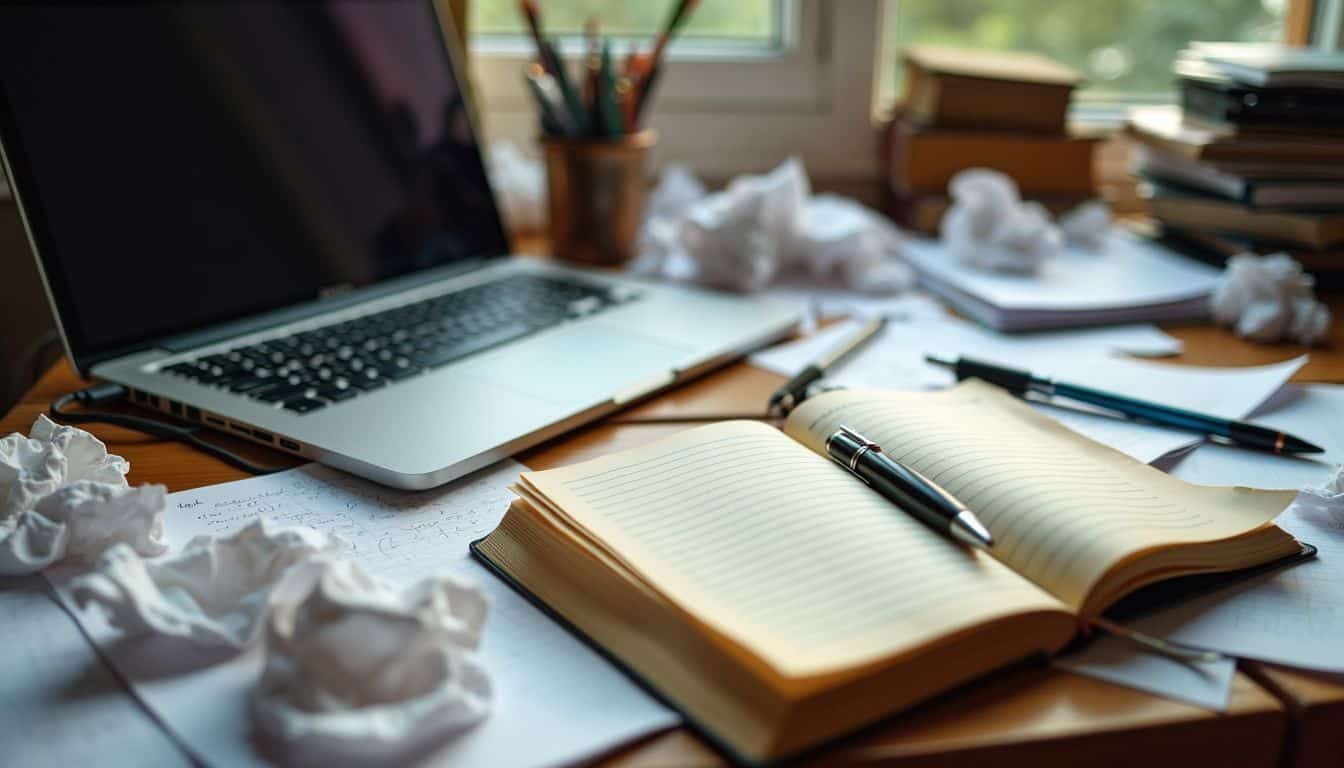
<point>596,191</point>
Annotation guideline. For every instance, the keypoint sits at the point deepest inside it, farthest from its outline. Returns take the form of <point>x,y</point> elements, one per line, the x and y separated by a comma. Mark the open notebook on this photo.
<point>780,602</point>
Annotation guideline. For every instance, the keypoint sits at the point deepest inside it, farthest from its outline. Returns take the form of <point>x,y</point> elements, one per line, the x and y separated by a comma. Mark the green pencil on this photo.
<point>606,95</point>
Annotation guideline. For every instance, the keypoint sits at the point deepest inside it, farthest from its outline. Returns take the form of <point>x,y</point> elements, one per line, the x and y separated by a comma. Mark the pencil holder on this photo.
<point>596,191</point>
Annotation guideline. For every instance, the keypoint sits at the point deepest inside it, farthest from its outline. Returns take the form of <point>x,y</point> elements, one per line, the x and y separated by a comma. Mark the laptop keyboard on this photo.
<point>314,369</point>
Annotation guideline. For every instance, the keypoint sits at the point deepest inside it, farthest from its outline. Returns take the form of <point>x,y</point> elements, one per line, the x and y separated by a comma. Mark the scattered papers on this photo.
<point>1292,615</point>
<point>763,227</point>
<point>1270,299</point>
<point>1206,684</point>
<point>1127,280</point>
<point>990,227</point>
<point>63,495</point>
<point>62,705</point>
<point>214,592</point>
<point>568,702</point>
<point>895,360</point>
<point>358,671</point>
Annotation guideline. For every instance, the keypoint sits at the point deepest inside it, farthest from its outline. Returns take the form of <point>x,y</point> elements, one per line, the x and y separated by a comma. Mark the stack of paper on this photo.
<point>1128,280</point>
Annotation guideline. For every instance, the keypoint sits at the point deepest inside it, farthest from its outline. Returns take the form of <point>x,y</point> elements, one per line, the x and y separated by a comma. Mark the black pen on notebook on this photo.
<point>1021,382</point>
<point>794,390</point>
<point>911,491</point>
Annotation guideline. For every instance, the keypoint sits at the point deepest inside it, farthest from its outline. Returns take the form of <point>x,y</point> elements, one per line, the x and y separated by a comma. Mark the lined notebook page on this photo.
<point>785,553</point>
<point>1063,509</point>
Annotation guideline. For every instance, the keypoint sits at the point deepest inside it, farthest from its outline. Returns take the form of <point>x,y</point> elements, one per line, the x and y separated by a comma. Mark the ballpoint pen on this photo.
<point>1022,382</point>
<point>794,390</point>
<point>908,489</point>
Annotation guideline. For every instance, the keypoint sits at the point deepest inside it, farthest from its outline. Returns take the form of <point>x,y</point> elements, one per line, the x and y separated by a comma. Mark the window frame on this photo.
<point>728,112</point>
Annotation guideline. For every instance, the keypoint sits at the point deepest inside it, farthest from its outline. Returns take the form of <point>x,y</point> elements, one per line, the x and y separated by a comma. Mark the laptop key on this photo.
<point>280,391</point>
<point>304,404</point>
<point>446,354</point>
<point>335,393</point>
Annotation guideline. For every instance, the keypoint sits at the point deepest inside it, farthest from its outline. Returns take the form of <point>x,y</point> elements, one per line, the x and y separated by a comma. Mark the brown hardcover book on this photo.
<point>974,88</point>
<point>924,160</point>
<point>1295,228</point>
<point>779,602</point>
<point>1216,246</point>
<point>1165,128</point>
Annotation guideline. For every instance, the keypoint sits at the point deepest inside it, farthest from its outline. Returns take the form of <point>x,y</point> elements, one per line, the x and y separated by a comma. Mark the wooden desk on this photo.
<point>1036,717</point>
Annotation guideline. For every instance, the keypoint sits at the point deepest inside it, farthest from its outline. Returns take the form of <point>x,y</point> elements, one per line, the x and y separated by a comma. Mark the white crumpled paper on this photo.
<point>214,593</point>
<point>764,226</point>
<point>1086,226</point>
<point>519,182</point>
<point>990,227</point>
<point>63,495</point>
<point>359,671</point>
<point>1268,299</point>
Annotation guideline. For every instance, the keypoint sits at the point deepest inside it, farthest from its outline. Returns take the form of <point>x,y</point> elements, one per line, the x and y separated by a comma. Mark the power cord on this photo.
<point>109,393</point>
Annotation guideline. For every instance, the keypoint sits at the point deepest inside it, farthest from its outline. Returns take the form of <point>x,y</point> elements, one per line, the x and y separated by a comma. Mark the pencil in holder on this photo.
<point>596,190</point>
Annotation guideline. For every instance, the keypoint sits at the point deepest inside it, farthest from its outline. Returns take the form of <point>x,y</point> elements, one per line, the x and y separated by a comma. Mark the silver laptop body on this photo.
<point>133,315</point>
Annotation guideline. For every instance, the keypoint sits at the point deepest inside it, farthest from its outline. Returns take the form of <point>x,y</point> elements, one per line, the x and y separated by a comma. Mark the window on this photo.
<point>1124,48</point>
<point>749,83</point>
<point>731,25</point>
<point>753,81</point>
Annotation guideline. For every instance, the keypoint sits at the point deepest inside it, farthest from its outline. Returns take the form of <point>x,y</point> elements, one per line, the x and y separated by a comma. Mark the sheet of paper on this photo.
<point>895,360</point>
<point>1314,412</point>
<point>1294,615</point>
<point>556,700</point>
<point>1204,684</point>
<point>1128,271</point>
<point>61,704</point>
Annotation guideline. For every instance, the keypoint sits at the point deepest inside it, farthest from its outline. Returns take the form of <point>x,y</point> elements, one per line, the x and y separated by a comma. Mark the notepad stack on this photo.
<point>983,109</point>
<point>1253,158</point>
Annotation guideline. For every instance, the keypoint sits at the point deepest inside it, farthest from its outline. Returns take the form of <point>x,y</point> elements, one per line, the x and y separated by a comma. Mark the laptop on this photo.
<point>274,220</point>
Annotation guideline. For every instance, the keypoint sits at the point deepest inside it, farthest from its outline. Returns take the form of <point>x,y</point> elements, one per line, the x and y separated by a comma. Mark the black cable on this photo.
<point>106,393</point>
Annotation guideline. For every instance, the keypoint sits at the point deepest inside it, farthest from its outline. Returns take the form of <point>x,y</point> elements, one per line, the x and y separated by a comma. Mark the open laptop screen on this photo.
<point>186,164</point>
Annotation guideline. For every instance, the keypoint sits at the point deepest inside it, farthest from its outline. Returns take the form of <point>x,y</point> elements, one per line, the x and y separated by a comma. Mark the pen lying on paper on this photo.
<point>794,391</point>
<point>911,491</point>
<point>1021,382</point>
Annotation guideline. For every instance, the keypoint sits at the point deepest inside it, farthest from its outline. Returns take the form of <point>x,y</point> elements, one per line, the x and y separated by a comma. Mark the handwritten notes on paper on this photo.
<point>557,701</point>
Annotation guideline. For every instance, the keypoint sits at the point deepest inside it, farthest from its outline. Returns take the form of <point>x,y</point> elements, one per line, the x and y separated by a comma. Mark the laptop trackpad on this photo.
<point>583,365</point>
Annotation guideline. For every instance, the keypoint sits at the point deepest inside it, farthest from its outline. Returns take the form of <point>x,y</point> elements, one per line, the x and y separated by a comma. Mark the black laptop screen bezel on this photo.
<point>24,188</point>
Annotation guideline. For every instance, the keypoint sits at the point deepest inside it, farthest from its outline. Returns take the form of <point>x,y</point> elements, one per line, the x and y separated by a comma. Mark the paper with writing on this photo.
<point>556,700</point>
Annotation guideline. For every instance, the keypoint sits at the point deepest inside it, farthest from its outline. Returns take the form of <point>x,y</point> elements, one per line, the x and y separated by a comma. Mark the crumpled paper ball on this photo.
<point>762,226</point>
<point>520,184</point>
<point>359,671</point>
<point>213,593</point>
<point>1269,299</point>
<point>988,226</point>
<point>1086,226</point>
<point>63,495</point>
<point>839,238</point>
<point>1324,502</point>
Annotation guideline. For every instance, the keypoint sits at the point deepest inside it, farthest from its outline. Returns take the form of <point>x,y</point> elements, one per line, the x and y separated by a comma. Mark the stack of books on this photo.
<point>983,109</point>
<point>1253,156</point>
